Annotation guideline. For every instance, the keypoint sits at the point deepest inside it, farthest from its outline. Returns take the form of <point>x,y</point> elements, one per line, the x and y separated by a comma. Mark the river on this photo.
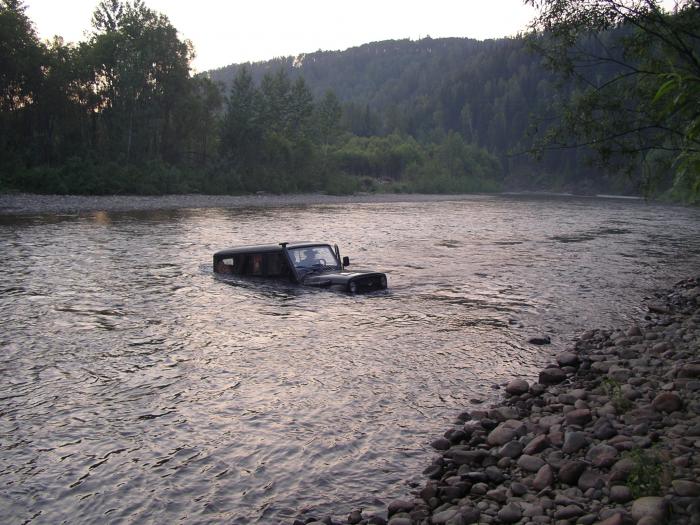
<point>138,388</point>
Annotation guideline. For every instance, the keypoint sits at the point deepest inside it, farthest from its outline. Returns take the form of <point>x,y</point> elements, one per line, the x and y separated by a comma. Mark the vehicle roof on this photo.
<point>266,248</point>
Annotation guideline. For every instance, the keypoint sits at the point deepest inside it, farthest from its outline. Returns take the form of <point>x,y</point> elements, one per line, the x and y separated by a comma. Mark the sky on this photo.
<point>231,31</point>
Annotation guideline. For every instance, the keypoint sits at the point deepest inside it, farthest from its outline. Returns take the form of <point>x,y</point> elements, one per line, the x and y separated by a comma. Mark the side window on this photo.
<point>256,266</point>
<point>237,264</point>
<point>276,265</point>
<point>225,266</point>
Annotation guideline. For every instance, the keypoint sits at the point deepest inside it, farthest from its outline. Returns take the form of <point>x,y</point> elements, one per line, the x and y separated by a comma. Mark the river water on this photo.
<point>138,388</point>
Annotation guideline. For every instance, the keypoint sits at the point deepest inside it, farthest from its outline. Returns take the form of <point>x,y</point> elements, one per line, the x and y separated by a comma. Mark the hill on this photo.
<point>490,92</point>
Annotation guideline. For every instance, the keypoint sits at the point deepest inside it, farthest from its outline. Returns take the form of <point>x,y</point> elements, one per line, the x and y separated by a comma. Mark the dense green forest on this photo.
<point>486,93</point>
<point>121,113</point>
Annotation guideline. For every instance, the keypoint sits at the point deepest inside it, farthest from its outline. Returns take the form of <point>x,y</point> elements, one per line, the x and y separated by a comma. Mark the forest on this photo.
<point>605,107</point>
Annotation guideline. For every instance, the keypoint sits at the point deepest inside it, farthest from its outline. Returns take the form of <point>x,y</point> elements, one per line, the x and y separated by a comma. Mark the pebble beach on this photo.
<point>609,434</point>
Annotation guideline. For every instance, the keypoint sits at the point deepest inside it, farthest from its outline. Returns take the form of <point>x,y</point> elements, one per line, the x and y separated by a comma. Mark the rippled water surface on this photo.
<point>136,387</point>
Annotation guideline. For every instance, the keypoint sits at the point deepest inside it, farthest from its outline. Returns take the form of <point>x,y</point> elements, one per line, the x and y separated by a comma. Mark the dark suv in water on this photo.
<point>307,263</point>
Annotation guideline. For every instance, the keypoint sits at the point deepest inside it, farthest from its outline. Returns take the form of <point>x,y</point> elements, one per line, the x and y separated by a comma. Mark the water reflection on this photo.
<point>135,383</point>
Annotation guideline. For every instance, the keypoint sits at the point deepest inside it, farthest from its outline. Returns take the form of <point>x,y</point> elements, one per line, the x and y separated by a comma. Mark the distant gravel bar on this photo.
<point>26,203</point>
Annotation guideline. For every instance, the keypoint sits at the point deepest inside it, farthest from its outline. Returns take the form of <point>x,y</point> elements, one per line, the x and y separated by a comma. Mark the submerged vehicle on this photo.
<point>306,263</point>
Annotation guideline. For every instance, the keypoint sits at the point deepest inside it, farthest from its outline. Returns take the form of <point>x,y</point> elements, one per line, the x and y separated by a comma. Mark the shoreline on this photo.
<point>609,435</point>
<point>17,204</point>
<point>30,203</point>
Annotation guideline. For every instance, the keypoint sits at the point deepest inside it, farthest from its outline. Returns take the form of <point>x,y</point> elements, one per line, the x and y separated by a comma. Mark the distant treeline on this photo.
<point>121,113</point>
<point>490,94</point>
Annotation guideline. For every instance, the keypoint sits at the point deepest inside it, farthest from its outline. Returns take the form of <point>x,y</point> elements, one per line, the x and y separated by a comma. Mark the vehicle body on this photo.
<point>306,263</point>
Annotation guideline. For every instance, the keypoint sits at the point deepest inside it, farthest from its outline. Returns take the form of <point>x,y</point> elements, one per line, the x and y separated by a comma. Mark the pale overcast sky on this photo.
<point>231,31</point>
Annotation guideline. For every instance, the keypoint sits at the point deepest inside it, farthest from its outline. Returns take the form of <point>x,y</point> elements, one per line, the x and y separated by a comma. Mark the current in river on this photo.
<point>136,387</point>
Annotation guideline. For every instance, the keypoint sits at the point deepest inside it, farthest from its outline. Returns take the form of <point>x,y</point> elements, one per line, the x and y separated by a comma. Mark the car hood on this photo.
<point>337,277</point>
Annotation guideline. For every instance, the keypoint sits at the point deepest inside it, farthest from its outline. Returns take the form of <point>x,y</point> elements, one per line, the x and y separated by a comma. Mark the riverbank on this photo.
<point>610,434</point>
<point>28,203</point>
<point>32,203</point>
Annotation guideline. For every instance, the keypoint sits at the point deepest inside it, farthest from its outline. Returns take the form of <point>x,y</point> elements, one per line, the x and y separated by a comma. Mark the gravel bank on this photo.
<point>610,434</point>
<point>26,203</point>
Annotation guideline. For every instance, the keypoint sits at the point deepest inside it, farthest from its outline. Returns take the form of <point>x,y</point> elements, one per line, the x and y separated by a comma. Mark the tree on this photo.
<point>637,72</point>
<point>141,73</point>
<point>241,129</point>
<point>328,115</point>
<point>20,56</point>
<point>301,108</point>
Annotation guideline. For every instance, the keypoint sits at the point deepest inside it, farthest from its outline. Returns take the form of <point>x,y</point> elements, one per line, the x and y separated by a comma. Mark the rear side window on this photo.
<point>276,265</point>
<point>225,266</point>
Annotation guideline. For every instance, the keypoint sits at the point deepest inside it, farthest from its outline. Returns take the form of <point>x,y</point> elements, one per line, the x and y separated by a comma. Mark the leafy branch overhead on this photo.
<point>636,72</point>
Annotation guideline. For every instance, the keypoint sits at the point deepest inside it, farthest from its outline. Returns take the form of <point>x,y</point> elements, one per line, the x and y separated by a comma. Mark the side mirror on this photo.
<point>346,261</point>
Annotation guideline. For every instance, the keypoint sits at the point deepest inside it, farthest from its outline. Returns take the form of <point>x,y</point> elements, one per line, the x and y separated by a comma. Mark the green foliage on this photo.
<point>614,391</point>
<point>20,56</point>
<point>120,113</point>
<point>642,95</point>
<point>649,474</point>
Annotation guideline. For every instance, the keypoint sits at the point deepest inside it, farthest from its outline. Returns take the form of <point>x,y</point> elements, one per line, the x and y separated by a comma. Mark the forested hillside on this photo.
<point>426,89</point>
<point>121,112</point>
<point>492,93</point>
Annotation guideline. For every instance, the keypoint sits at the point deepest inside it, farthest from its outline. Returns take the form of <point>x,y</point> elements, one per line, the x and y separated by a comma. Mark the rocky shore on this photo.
<point>610,435</point>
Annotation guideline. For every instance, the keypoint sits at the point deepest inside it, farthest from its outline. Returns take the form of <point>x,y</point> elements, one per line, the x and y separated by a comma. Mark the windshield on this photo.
<point>314,258</point>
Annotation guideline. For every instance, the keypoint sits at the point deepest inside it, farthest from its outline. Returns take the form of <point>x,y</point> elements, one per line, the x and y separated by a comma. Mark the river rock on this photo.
<point>590,480</point>
<point>619,518</point>
<point>602,455</point>
<point>540,340</point>
<point>574,441</point>
<point>685,488</point>
<point>479,489</point>
<point>355,517</point>
<point>620,494</point>
<point>441,444</point>
<point>544,478</point>
<point>512,450</point>
<point>603,429</point>
<point>466,457</point>
<point>400,505</point>
<point>505,432</point>
<point>530,463</point>
<point>511,513</point>
<point>568,359</point>
<point>619,374</point>
<point>552,376</point>
<point>517,387</point>
<point>667,402</point>
<point>568,512</point>
<point>689,371</point>
<point>470,514</point>
<point>579,417</point>
<point>518,489</point>
<point>445,515</point>
<point>538,444</point>
<point>650,506</point>
<point>633,331</point>
<point>498,494</point>
<point>571,471</point>
<point>503,413</point>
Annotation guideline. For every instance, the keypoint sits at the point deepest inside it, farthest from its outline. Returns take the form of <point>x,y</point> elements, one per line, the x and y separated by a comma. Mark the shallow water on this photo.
<point>136,387</point>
